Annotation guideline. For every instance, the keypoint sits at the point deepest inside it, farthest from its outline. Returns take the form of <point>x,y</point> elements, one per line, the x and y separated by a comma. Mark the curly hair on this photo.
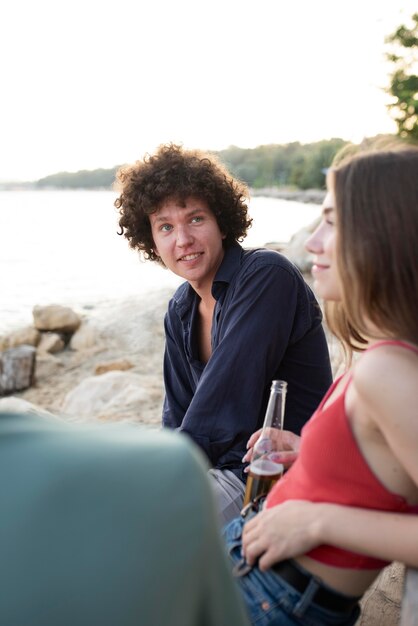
<point>173,172</point>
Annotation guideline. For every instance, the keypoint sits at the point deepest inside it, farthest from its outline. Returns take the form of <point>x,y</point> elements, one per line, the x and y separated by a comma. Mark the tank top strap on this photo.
<point>393,342</point>
<point>349,376</point>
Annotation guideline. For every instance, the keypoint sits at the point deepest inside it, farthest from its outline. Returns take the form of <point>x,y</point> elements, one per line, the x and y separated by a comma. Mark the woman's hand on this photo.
<point>282,532</point>
<point>286,446</point>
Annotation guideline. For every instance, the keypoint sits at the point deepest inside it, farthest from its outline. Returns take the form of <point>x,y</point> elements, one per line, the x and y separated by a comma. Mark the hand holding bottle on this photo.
<point>285,447</point>
<point>264,471</point>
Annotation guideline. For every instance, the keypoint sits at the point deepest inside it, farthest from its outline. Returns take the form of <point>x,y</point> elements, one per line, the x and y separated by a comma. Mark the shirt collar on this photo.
<point>185,295</point>
<point>227,269</point>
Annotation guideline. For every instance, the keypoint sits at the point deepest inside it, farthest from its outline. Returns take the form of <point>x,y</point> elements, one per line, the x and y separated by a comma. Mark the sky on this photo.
<point>98,83</point>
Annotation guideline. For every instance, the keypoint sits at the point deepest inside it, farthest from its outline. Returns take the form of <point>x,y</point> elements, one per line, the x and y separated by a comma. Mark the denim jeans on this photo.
<point>271,601</point>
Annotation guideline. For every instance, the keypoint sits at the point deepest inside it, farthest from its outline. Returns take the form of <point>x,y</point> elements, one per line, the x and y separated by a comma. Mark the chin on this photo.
<point>328,296</point>
<point>326,292</point>
<point>320,289</point>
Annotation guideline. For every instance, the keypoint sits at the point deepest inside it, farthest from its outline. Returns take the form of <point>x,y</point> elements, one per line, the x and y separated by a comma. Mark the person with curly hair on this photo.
<point>241,318</point>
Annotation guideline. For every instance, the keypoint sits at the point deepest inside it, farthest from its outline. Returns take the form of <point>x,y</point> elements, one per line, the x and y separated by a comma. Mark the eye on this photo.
<point>196,219</point>
<point>165,228</point>
<point>328,217</point>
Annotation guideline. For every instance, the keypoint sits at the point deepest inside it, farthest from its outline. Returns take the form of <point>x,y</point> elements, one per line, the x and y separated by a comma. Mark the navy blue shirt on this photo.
<point>266,326</point>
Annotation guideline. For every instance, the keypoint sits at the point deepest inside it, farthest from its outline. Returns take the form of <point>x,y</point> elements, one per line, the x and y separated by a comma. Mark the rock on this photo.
<point>56,317</point>
<point>119,365</point>
<point>381,603</point>
<point>18,405</point>
<point>51,342</point>
<point>295,250</point>
<point>17,367</point>
<point>28,336</point>
<point>110,393</point>
<point>84,338</point>
<point>46,366</point>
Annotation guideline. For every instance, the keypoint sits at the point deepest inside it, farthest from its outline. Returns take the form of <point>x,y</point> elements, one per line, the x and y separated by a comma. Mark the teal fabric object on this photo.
<point>108,525</point>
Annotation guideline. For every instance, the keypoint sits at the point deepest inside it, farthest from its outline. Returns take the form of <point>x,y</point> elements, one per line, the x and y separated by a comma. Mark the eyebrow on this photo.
<point>158,218</point>
<point>164,218</point>
<point>327,210</point>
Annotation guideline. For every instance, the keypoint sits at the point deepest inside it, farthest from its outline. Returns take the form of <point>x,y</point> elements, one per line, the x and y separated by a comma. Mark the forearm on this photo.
<point>387,536</point>
<point>296,527</point>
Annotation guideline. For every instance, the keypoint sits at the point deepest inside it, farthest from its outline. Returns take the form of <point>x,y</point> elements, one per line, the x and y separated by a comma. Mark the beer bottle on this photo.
<point>263,471</point>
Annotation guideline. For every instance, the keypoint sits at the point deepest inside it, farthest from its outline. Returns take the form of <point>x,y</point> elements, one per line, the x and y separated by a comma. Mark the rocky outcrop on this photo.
<point>47,365</point>
<point>114,395</point>
<point>56,318</point>
<point>28,336</point>
<point>17,367</point>
<point>295,250</point>
<point>84,338</point>
<point>54,326</point>
<point>51,343</point>
<point>120,365</point>
<point>19,405</point>
<point>381,603</point>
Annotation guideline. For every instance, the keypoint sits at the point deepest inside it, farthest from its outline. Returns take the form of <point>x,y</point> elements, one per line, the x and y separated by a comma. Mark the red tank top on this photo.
<point>331,468</point>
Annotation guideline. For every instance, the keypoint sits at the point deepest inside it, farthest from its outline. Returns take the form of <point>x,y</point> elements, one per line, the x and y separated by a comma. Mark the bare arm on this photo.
<point>295,527</point>
<point>385,384</point>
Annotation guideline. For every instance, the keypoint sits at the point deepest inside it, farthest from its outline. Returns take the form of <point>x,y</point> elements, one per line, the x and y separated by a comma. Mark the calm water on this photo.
<point>62,247</point>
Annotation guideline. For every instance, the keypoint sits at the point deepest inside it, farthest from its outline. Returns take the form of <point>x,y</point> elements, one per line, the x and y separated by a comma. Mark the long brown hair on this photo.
<point>376,201</point>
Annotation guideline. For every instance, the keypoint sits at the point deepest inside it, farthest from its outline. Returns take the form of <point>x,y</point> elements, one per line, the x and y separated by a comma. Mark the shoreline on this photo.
<point>314,196</point>
<point>117,374</point>
<point>308,196</point>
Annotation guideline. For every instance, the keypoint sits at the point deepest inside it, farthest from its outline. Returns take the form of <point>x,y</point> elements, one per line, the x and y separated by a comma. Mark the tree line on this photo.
<point>292,165</point>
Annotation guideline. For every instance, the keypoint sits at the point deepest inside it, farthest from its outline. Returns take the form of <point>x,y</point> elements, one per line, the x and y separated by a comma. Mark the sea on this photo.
<point>62,247</point>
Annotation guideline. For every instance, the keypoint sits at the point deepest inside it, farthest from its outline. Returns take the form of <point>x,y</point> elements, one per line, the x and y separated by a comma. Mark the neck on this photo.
<point>207,301</point>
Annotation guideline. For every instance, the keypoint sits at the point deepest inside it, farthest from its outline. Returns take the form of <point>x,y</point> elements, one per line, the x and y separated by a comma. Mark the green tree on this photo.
<point>403,55</point>
<point>293,164</point>
<point>83,179</point>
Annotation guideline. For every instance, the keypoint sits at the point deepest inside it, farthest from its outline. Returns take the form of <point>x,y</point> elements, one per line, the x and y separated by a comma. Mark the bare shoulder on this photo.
<point>387,377</point>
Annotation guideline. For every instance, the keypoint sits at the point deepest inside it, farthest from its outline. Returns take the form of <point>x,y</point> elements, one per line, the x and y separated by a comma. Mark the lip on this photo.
<point>317,268</point>
<point>194,256</point>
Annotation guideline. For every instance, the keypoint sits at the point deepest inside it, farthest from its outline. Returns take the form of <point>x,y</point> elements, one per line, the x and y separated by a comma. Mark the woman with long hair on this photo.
<point>348,504</point>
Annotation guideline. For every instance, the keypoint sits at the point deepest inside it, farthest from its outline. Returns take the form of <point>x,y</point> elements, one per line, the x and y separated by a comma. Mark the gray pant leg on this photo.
<point>229,494</point>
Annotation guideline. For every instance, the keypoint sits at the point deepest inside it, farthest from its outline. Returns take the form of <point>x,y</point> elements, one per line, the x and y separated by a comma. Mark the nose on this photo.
<point>184,236</point>
<point>314,243</point>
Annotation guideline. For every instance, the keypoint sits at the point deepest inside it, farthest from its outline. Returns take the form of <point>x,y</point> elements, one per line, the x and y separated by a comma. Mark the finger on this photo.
<point>249,536</point>
<point>251,441</point>
<point>290,441</point>
<point>252,525</point>
<point>253,551</point>
<point>268,559</point>
<point>247,456</point>
<point>284,458</point>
